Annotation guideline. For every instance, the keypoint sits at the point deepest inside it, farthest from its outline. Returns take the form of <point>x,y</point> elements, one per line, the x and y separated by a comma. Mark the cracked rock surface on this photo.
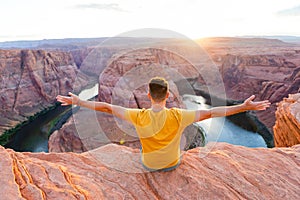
<point>217,171</point>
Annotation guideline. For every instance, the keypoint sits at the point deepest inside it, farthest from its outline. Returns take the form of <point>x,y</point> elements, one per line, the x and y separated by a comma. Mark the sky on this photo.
<point>52,19</point>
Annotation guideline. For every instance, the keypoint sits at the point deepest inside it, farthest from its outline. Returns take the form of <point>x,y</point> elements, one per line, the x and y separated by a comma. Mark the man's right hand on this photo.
<point>68,100</point>
<point>249,104</point>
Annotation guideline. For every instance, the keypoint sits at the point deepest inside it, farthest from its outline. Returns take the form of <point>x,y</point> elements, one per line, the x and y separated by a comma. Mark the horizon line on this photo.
<point>103,37</point>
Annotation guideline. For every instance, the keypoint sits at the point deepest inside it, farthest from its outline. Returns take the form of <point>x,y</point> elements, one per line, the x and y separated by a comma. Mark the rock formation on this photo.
<point>270,69</point>
<point>30,81</point>
<point>268,76</point>
<point>287,126</point>
<point>218,171</point>
<point>124,81</point>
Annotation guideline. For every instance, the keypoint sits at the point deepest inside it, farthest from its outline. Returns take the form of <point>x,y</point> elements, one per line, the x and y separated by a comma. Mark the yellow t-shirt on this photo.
<point>160,134</point>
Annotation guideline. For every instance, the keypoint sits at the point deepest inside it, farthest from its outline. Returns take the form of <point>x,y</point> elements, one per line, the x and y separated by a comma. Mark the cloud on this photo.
<point>295,11</point>
<point>109,6</point>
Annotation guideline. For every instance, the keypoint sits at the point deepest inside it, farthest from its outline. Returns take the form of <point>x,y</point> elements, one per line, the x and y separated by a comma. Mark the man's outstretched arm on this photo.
<point>73,99</point>
<point>223,111</point>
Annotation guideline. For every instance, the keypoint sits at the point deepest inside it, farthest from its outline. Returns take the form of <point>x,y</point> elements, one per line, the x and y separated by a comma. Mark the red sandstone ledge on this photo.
<point>217,171</point>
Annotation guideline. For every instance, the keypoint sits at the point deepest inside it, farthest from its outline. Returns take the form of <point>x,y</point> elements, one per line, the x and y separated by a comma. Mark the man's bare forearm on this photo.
<point>220,111</point>
<point>118,111</point>
<point>98,106</point>
<point>223,111</point>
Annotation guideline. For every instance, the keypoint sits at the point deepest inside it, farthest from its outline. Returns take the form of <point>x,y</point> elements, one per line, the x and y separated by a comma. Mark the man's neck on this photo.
<point>158,106</point>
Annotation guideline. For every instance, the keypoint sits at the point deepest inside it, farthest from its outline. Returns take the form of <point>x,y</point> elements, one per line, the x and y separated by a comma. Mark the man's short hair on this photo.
<point>158,88</point>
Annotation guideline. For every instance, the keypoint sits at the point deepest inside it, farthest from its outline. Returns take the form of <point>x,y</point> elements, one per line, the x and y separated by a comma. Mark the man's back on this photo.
<point>160,134</point>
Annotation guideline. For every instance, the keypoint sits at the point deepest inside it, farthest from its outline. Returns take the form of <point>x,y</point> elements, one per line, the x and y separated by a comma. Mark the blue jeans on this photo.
<point>161,170</point>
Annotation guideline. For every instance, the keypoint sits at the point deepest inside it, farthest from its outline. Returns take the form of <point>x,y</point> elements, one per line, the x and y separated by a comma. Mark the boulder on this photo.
<point>287,126</point>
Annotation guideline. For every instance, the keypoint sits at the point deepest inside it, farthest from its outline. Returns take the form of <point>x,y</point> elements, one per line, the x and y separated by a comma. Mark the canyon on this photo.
<point>271,73</point>
<point>228,68</point>
<point>91,167</point>
<point>31,79</point>
<point>231,68</point>
<point>269,69</point>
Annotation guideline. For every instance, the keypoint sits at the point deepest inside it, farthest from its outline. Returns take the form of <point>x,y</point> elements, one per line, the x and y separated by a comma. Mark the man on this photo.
<point>158,127</point>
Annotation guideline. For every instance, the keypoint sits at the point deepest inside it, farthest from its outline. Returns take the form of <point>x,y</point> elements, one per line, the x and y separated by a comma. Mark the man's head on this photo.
<point>158,89</point>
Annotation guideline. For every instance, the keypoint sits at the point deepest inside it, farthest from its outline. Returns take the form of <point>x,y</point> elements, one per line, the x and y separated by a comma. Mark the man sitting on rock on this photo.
<point>159,128</point>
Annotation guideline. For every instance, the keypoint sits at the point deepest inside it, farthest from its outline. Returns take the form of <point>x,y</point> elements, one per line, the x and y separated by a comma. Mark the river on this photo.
<point>220,129</point>
<point>33,136</point>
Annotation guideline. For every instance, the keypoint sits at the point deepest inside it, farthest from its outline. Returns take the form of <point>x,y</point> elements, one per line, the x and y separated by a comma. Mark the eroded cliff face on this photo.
<point>31,79</point>
<point>125,80</point>
<point>270,77</point>
<point>219,171</point>
<point>287,126</point>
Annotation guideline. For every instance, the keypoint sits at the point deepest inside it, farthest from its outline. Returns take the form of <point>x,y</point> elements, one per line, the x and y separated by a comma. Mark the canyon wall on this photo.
<point>270,69</point>
<point>217,171</point>
<point>31,79</point>
<point>270,77</point>
<point>125,79</point>
<point>287,126</point>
